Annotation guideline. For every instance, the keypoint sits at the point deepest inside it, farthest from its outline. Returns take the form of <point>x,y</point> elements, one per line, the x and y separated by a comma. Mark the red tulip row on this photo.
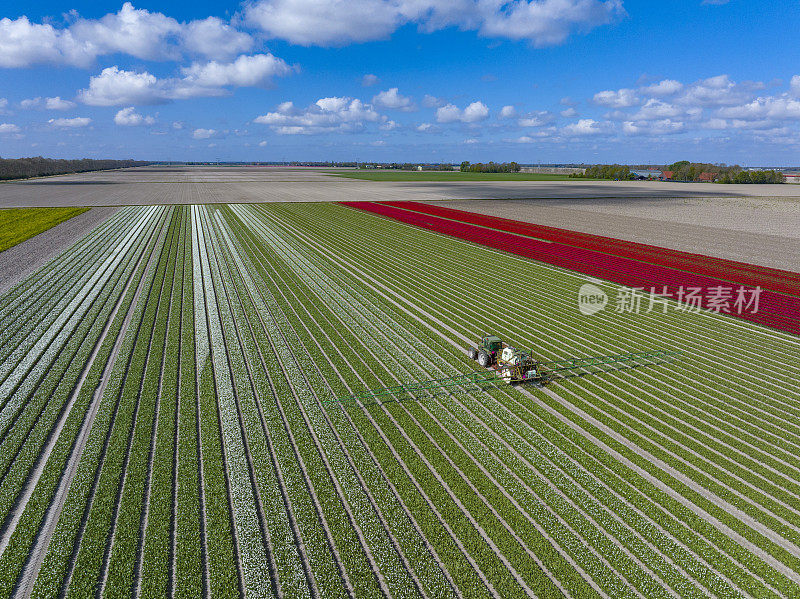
<point>728,270</point>
<point>774,309</point>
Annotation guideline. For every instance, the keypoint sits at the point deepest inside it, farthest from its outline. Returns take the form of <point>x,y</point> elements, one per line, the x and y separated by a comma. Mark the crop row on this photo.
<point>402,538</point>
<point>401,352</point>
<point>217,465</point>
<point>56,272</point>
<point>69,409</point>
<point>390,260</point>
<point>775,310</point>
<point>728,270</point>
<point>345,344</point>
<point>33,306</point>
<point>29,413</point>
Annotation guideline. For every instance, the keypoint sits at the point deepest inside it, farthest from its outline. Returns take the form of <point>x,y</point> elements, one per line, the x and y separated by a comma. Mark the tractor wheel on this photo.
<point>484,359</point>
<point>473,353</point>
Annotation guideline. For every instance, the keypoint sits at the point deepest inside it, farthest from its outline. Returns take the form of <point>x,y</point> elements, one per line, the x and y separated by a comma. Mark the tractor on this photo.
<point>513,365</point>
<point>510,365</point>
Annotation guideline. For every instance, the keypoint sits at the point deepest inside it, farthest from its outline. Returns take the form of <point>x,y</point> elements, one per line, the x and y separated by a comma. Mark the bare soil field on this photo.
<point>763,231</point>
<point>205,185</point>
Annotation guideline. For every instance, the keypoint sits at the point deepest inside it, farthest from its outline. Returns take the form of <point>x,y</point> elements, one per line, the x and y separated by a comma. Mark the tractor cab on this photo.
<point>487,351</point>
<point>491,344</point>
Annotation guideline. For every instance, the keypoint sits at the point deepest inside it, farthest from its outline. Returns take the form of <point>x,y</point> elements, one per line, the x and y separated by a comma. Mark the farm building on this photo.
<point>792,177</point>
<point>645,174</point>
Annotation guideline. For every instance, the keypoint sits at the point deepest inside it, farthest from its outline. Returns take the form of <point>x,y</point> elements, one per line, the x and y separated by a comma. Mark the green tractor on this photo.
<point>513,365</point>
<point>488,349</point>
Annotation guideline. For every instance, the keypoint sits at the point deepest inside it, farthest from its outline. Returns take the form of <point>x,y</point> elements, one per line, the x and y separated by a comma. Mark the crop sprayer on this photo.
<point>506,364</point>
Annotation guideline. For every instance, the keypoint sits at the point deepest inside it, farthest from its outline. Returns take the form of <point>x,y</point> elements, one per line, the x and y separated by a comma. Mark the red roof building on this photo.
<point>708,177</point>
<point>666,175</point>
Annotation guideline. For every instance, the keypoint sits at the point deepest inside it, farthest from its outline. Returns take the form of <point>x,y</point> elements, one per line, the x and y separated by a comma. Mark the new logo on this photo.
<point>591,299</point>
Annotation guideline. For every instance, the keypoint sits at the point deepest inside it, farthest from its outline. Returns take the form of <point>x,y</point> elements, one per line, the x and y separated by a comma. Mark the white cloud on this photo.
<point>473,113</point>
<point>429,101</point>
<point>546,22</point>
<point>3,105</point>
<point>508,112</point>
<point>536,119</point>
<point>23,43</point>
<point>325,115</point>
<point>534,137</point>
<point>655,109</point>
<point>621,98</point>
<point>245,71</point>
<point>262,144</point>
<point>130,118</point>
<point>583,127</point>
<point>391,98</point>
<point>118,87</point>
<point>764,108</point>
<point>324,22</point>
<point>715,124</point>
<point>715,91</point>
<point>794,85</point>
<point>78,121</point>
<point>204,133</point>
<point>115,86</point>
<point>569,113</point>
<point>477,111</point>
<point>470,141</point>
<point>369,80</point>
<point>448,113</point>
<point>389,125</point>
<point>339,22</point>
<point>55,103</point>
<point>8,128</point>
<point>662,127</point>
<point>667,87</point>
<point>135,32</point>
<point>425,127</point>
<point>214,38</point>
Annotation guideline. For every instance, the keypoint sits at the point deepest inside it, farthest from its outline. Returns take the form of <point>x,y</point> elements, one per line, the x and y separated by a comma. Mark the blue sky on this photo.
<point>406,80</point>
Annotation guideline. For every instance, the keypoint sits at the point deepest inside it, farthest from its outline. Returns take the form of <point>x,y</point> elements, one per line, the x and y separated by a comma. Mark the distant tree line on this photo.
<point>616,172</point>
<point>683,170</point>
<point>491,167</point>
<point>21,168</point>
<point>753,177</point>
